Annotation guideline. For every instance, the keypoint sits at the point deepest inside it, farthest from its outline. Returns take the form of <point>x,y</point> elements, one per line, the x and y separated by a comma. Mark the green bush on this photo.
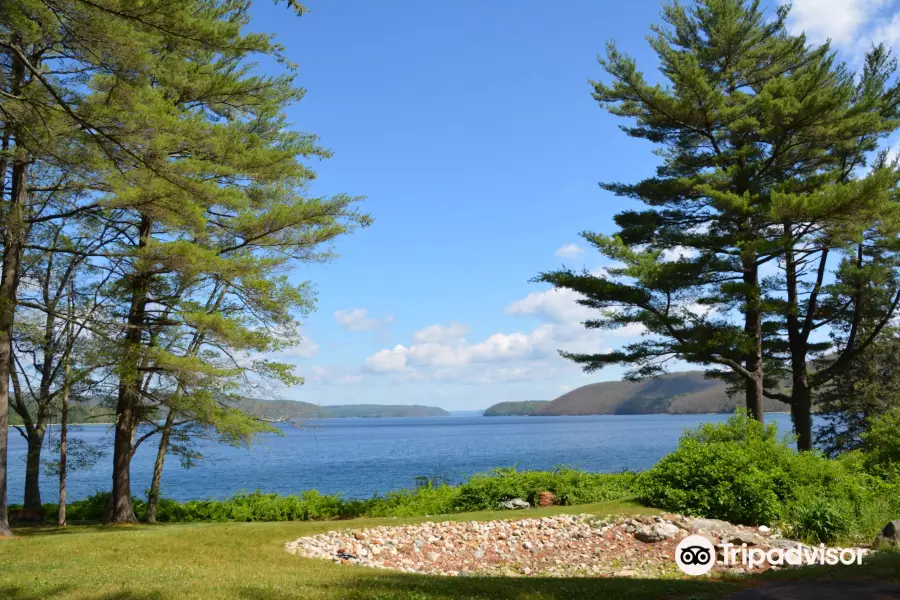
<point>430,497</point>
<point>735,471</point>
<point>881,445</point>
<point>741,472</point>
<point>816,519</point>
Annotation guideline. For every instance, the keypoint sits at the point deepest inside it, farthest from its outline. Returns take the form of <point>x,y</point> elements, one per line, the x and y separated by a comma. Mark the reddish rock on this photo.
<point>546,499</point>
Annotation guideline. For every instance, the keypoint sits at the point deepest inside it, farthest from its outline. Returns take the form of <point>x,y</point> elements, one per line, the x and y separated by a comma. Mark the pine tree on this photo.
<point>754,129</point>
<point>211,215</point>
<point>49,51</point>
<point>869,387</point>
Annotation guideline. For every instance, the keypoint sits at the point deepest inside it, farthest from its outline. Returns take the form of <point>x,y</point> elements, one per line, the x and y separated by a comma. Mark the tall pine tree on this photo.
<point>755,128</point>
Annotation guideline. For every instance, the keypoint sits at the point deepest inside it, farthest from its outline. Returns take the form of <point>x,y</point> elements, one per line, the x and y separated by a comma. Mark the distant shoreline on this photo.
<point>772,412</point>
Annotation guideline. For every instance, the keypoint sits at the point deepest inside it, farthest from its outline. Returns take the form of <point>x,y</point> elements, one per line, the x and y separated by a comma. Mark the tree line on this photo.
<point>765,246</point>
<point>154,200</point>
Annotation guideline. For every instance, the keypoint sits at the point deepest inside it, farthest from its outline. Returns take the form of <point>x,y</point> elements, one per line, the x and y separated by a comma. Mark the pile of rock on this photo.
<point>563,545</point>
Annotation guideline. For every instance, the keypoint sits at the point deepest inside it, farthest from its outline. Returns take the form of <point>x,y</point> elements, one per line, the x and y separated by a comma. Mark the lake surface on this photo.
<point>362,457</point>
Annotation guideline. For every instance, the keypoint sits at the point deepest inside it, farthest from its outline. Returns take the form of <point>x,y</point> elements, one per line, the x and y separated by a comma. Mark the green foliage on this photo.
<point>513,409</point>
<point>866,389</point>
<point>820,520</point>
<point>481,492</point>
<point>735,191</point>
<point>741,472</point>
<point>881,444</point>
<point>734,471</point>
<point>486,491</point>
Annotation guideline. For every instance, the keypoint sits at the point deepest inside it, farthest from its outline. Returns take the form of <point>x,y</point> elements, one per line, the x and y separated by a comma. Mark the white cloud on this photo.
<point>570,251</point>
<point>319,375</point>
<point>555,305</point>
<point>386,361</point>
<point>677,253</point>
<point>887,31</point>
<point>305,349</point>
<point>358,320</point>
<point>439,334</point>
<point>838,20</point>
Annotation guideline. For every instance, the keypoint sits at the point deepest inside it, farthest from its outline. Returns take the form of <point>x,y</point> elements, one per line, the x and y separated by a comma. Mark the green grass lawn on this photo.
<point>247,560</point>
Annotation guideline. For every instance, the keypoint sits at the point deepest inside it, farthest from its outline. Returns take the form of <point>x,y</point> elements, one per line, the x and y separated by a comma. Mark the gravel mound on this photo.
<point>563,546</point>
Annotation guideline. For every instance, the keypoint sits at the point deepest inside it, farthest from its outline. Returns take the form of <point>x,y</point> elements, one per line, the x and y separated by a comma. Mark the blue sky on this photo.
<point>471,130</point>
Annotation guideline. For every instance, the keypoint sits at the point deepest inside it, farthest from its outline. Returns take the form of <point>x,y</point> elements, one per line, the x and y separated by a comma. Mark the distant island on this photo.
<point>515,409</point>
<point>688,392</point>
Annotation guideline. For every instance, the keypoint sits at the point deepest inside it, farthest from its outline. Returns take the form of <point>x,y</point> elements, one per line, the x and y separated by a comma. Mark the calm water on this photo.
<point>361,457</point>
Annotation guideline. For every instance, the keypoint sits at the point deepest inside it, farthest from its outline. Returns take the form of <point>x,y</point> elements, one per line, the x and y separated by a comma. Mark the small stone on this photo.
<point>890,534</point>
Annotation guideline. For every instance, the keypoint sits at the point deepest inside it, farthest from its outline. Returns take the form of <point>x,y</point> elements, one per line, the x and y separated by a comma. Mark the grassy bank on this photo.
<point>481,492</point>
<point>248,561</point>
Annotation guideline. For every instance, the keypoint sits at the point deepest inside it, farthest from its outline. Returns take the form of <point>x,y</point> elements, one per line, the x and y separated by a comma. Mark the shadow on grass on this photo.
<point>73,529</point>
<point>22,593</point>
<point>15,592</point>
<point>410,587</point>
<point>819,582</point>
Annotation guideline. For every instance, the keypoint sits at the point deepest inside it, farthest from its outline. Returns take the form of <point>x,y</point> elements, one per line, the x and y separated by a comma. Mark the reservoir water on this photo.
<point>362,457</point>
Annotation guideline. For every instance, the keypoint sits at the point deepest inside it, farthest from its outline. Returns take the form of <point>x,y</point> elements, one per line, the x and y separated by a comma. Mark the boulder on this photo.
<point>656,532</point>
<point>514,504</point>
<point>710,525</point>
<point>743,537</point>
<point>889,535</point>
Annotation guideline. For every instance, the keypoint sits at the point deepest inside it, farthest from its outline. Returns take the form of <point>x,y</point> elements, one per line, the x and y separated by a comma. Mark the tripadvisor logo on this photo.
<point>696,555</point>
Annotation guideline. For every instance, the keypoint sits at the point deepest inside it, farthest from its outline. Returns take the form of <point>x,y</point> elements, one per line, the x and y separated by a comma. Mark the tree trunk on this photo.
<point>801,395</point>
<point>801,415</point>
<point>122,508</point>
<point>9,281</point>
<point>753,330</point>
<point>153,499</point>
<point>33,468</point>
<point>64,436</point>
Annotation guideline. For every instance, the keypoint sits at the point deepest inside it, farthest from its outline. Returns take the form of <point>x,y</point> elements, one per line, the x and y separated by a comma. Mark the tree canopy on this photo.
<point>767,220</point>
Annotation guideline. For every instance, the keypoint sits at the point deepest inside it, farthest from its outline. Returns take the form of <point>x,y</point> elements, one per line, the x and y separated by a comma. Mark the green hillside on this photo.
<point>673,393</point>
<point>95,411</point>
<point>515,409</point>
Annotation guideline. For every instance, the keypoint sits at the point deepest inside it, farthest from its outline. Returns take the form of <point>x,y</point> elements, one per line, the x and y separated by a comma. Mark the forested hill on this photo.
<point>515,409</point>
<point>292,409</point>
<point>95,411</point>
<point>674,393</point>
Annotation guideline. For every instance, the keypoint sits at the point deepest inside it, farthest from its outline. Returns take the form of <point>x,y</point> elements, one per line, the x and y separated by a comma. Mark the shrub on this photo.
<point>737,471</point>
<point>881,445</point>
<point>487,491</point>
<point>816,519</point>
<point>430,497</point>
